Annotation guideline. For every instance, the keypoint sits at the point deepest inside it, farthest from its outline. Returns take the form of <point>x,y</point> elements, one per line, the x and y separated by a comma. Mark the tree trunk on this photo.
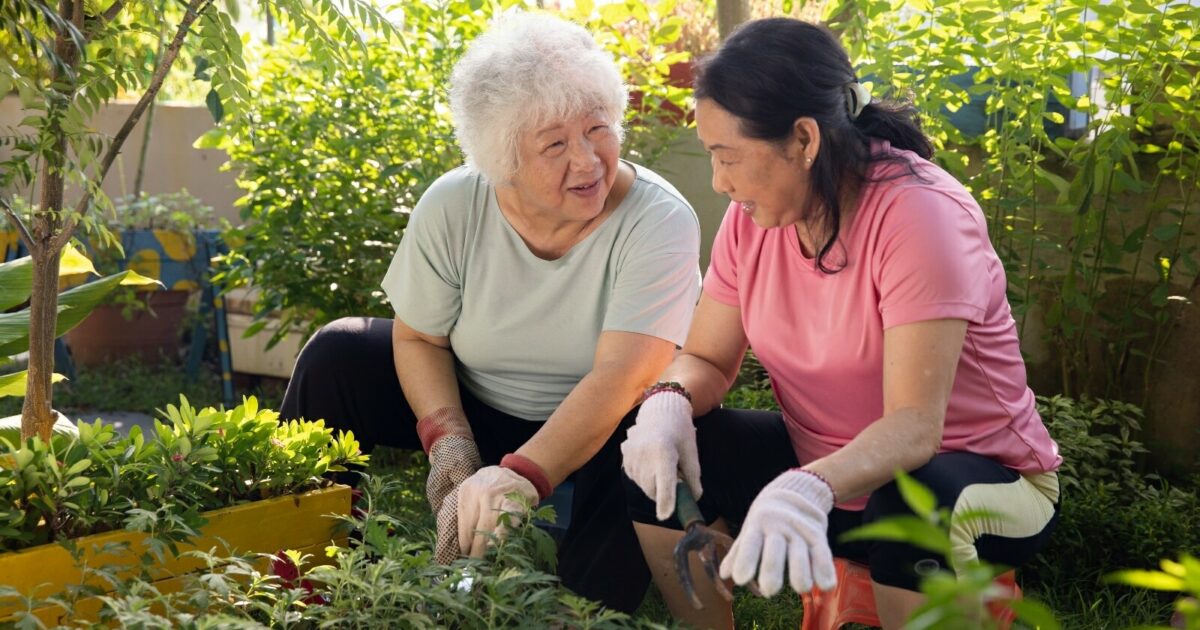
<point>36,417</point>
<point>730,15</point>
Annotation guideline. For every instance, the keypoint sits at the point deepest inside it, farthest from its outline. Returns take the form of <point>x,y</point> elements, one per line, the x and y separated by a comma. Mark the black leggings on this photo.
<point>741,451</point>
<point>345,374</point>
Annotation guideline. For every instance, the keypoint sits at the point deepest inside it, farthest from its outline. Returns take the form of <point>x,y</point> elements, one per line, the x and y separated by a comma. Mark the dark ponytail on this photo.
<point>771,72</point>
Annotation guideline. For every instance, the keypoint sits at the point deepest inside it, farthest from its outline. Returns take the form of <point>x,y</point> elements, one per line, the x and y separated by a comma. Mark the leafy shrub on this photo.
<point>333,162</point>
<point>1107,503</point>
<point>196,461</point>
<point>1068,214</point>
<point>1096,441</point>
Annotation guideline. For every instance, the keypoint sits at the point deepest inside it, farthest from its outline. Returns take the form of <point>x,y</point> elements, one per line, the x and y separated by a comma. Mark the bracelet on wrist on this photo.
<point>825,481</point>
<point>667,386</point>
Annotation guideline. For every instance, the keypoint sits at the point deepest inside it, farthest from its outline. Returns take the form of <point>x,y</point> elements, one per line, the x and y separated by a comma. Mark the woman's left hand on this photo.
<point>482,498</point>
<point>787,522</point>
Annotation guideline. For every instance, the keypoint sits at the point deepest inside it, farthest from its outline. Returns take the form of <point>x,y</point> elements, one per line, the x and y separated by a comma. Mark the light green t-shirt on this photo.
<point>524,330</point>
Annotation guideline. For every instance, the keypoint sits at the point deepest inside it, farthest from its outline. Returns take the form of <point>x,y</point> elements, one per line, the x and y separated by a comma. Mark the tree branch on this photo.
<point>19,225</point>
<point>103,19</point>
<point>195,8</point>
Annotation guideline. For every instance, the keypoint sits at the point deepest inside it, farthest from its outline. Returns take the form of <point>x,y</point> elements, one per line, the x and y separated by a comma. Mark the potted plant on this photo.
<point>170,238</point>
<point>82,511</point>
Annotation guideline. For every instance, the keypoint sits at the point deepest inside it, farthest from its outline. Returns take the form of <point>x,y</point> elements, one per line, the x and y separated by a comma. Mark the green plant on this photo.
<point>1097,234</point>
<point>1097,441</point>
<point>197,460</point>
<point>1107,502</point>
<point>17,280</point>
<point>332,165</point>
<point>1177,577</point>
<point>81,60</point>
<point>178,211</point>
<point>387,579</point>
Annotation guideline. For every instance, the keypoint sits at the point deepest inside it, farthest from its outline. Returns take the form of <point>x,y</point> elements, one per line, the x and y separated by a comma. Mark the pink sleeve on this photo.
<point>932,260</point>
<point>720,281</point>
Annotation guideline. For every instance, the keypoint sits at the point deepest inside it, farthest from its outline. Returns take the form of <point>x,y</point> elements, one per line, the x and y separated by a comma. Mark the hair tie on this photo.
<point>857,98</point>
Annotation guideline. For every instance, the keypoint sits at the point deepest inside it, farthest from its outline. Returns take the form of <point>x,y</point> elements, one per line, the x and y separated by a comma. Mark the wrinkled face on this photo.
<point>767,181</point>
<point>567,167</point>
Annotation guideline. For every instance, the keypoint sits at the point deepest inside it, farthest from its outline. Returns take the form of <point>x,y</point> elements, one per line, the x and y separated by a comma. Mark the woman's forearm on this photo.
<point>582,423</point>
<point>905,439</point>
<point>706,383</point>
<point>426,373</point>
<point>626,363</point>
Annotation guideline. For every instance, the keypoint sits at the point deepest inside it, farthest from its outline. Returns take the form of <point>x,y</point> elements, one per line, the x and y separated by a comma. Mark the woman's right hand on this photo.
<point>660,445</point>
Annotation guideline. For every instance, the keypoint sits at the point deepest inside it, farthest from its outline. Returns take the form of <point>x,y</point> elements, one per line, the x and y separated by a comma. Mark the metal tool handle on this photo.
<point>685,505</point>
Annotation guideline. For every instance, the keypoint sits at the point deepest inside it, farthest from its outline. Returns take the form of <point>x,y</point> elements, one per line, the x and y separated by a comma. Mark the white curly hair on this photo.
<point>526,70</point>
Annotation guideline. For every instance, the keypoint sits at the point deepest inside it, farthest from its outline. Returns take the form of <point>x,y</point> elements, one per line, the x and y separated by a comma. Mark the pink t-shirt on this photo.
<point>914,251</point>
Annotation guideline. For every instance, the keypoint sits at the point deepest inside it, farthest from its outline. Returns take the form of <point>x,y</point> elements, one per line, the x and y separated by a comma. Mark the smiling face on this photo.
<point>769,181</point>
<point>566,168</point>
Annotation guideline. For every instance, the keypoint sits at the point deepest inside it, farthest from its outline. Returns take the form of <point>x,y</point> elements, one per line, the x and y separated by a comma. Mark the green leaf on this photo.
<point>14,384</point>
<point>1153,580</point>
<point>79,467</point>
<point>77,482</point>
<point>1035,613</point>
<point>16,276</point>
<point>917,496</point>
<point>213,101</point>
<point>73,306</point>
<point>16,281</point>
<point>908,529</point>
<point>1165,233</point>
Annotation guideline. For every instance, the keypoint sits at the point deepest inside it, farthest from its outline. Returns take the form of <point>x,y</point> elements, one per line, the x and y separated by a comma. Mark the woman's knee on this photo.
<point>341,341</point>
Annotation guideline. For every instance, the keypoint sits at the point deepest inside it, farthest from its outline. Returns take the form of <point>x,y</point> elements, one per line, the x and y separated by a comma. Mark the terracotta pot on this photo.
<point>151,334</point>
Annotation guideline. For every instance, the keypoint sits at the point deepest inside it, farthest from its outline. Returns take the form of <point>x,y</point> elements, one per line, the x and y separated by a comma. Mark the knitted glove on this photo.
<point>787,522</point>
<point>481,501</point>
<point>453,456</point>
<point>660,445</point>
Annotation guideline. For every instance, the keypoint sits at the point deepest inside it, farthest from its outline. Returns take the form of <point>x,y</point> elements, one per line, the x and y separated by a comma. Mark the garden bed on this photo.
<point>303,522</point>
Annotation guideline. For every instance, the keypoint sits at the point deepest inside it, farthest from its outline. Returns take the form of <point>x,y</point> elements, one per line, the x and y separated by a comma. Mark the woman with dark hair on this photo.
<point>863,277</point>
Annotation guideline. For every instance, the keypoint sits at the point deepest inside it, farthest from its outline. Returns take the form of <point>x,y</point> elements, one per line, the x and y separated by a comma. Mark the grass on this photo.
<point>1080,604</point>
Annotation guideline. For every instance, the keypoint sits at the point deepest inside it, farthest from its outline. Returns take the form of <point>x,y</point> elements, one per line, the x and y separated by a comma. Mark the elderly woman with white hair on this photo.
<point>538,291</point>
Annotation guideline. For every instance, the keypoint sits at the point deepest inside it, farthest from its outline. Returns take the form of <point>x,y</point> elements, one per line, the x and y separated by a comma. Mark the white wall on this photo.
<point>171,162</point>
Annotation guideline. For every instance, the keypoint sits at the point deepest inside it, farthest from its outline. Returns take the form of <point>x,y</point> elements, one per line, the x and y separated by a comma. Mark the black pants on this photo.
<point>741,451</point>
<point>345,374</point>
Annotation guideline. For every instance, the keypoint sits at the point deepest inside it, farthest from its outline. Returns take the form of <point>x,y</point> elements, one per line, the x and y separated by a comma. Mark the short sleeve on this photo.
<point>932,260</point>
<point>658,281</point>
<point>423,282</point>
<point>720,282</point>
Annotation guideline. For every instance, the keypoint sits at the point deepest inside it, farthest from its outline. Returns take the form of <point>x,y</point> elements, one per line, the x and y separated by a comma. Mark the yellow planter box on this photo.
<point>301,522</point>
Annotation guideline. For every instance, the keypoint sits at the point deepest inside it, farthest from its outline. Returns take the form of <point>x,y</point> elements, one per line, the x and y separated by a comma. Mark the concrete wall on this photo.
<point>171,162</point>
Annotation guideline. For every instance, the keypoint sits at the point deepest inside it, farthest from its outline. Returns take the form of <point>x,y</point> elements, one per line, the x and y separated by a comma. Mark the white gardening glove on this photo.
<point>660,445</point>
<point>787,522</point>
<point>482,499</point>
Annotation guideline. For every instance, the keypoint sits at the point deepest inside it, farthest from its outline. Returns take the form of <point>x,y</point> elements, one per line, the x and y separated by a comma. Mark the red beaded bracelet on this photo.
<point>667,386</point>
<point>825,481</point>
